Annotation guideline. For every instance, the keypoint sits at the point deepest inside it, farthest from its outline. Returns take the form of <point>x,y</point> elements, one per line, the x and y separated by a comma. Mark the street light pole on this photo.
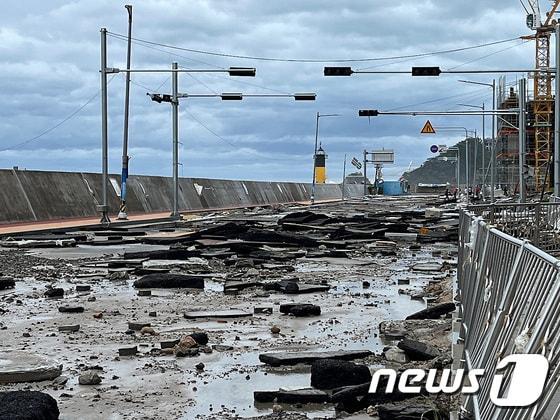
<point>124,174</point>
<point>175,121</point>
<point>522,138</point>
<point>493,145</point>
<point>104,208</point>
<point>315,158</point>
<point>343,177</point>
<point>312,198</point>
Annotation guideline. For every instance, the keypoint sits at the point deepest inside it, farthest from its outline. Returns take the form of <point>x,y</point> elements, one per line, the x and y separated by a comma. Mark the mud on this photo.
<point>369,281</point>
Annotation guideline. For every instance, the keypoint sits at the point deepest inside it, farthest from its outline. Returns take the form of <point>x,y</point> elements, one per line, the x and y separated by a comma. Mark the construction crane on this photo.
<point>543,100</point>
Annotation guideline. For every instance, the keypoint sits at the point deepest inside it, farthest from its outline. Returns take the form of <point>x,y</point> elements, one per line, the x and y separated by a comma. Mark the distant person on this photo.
<point>447,194</point>
<point>455,193</point>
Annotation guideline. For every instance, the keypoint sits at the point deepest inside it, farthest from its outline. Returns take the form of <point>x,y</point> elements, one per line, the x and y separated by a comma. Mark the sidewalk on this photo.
<point>47,225</point>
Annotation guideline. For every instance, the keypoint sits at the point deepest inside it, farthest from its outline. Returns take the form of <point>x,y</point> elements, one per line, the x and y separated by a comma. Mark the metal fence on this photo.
<point>509,295</point>
<point>539,223</point>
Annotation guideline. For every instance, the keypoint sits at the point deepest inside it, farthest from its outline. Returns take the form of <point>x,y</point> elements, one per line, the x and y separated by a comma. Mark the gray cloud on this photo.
<point>49,60</point>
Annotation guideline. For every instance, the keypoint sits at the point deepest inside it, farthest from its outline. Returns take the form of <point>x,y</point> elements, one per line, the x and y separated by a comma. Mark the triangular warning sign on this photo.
<point>428,128</point>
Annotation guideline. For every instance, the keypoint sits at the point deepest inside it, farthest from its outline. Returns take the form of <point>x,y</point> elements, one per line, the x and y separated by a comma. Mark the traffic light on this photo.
<point>368,112</point>
<point>338,71</point>
<point>305,96</point>
<point>426,71</point>
<point>231,96</point>
<point>242,71</point>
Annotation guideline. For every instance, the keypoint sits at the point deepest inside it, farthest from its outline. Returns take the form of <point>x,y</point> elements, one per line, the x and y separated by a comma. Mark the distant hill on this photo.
<point>436,170</point>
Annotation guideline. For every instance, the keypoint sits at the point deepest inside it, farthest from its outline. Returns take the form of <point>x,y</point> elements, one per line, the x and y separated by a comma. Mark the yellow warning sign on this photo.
<point>428,128</point>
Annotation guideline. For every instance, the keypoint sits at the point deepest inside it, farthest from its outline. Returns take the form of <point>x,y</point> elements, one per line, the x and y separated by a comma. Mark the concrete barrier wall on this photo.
<point>27,196</point>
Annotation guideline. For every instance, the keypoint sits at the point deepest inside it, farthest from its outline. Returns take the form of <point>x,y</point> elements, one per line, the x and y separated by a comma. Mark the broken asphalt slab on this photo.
<point>169,281</point>
<point>290,359</point>
<point>217,314</point>
<point>20,366</point>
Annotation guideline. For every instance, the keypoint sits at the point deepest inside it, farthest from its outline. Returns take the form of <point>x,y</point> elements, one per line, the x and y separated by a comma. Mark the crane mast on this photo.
<point>543,101</point>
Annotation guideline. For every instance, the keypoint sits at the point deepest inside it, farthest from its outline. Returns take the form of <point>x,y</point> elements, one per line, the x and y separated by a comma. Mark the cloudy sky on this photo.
<point>49,62</point>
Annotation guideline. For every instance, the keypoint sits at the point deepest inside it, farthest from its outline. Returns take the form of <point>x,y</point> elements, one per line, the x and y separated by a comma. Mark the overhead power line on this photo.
<point>311,60</point>
<point>54,127</point>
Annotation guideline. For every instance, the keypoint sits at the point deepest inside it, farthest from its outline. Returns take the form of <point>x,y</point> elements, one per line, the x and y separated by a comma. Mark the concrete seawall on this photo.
<point>28,196</point>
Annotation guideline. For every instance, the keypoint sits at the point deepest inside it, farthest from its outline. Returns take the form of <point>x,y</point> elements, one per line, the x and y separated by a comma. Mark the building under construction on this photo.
<point>538,171</point>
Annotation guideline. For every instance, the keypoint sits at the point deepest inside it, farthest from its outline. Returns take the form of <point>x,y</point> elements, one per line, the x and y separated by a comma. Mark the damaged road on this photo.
<point>247,313</point>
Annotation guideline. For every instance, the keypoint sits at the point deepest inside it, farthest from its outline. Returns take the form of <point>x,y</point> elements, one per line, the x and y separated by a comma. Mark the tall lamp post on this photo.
<point>483,145</point>
<point>315,150</point>
<point>174,100</point>
<point>493,146</point>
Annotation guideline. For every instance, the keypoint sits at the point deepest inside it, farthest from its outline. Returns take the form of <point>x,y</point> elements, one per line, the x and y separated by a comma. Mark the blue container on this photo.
<point>393,188</point>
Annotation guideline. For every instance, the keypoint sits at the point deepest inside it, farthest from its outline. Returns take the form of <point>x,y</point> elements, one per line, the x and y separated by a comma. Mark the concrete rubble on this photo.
<point>292,307</point>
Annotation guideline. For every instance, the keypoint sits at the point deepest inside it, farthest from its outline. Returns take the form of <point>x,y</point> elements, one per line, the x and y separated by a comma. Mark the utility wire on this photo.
<point>235,80</point>
<point>487,55</point>
<point>309,60</point>
<point>54,127</point>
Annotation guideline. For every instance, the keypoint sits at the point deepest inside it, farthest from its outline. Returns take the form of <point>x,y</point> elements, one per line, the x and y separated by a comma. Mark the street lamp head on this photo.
<point>155,97</point>
<point>368,112</point>
<point>242,71</point>
<point>338,71</point>
<point>231,96</point>
<point>305,96</point>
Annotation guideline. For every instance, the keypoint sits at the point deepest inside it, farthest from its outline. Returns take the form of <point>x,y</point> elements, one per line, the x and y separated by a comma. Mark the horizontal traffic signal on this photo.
<point>305,96</point>
<point>368,112</point>
<point>242,71</point>
<point>338,71</point>
<point>426,71</point>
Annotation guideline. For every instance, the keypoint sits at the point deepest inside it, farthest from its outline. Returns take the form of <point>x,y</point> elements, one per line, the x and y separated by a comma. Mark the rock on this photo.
<point>221,347</point>
<point>263,310</point>
<point>152,314</point>
<point>144,293</point>
<point>330,374</point>
<point>28,405</point>
<point>168,344</point>
<point>148,330</point>
<point>365,284</point>
<point>292,396</point>
<point>54,292</point>
<point>187,342</point>
<point>409,410</point>
<point>119,275</point>
<point>200,366</point>
<point>69,328</point>
<point>275,329</point>
<point>60,381</point>
<point>433,312</point>
<point>7,283</point>
<point>201,338</point>
<point>89,378</point>
<point>417,350</point>
<point>83,288</point>
<point>394,354</point>
<point>300,309</point>
<point>169,281</point>
<point>71,309</point>
<point>186,352</point>
<point>293,358</point>
<point>98,315</point>
<point>137,326</point>
<point>128,351</point>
